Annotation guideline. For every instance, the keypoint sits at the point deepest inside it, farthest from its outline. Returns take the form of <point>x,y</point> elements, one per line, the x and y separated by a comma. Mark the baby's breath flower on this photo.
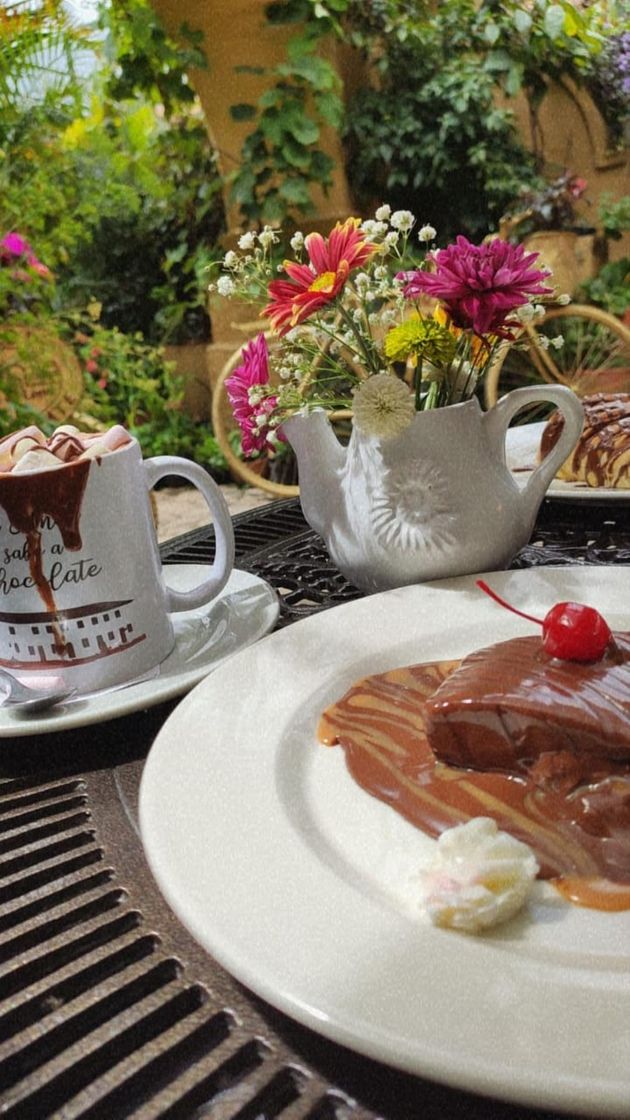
<point>225,286</point>
<point>383,212</point>
<point>392,238</point>
<point>427,233</point>
<point>563,299</point>
<point>382,406</point>
<point>525,314</point>
<point>267,237</point>
<point>230,259</point>
<point>539,311</point>
<point>402,220</point>
<point>297,241</point>
<point>557,342</point>
<point>388,317</point>
<point>373,229</point>
<point>246,241</point>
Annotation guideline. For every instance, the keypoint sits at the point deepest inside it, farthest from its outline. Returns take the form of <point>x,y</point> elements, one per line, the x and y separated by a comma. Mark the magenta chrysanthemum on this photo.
<point>251,409</point>
<point>481,285</point>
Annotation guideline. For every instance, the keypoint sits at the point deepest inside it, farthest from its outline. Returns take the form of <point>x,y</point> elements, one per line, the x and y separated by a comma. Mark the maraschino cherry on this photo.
<point>571,631</point>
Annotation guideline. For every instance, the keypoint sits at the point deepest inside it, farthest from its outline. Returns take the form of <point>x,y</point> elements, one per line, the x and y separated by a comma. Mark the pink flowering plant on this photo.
<point>373,319</point>
<point>24,279</point>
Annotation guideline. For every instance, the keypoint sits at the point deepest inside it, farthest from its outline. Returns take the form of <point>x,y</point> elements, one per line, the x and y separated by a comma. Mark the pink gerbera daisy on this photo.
<point>481,285</point>
<point>252,409</point>
<point>313,285</point>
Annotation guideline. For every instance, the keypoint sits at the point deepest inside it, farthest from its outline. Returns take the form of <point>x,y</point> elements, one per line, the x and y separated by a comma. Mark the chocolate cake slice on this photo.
<point>509,703</point>
<point>601,457</point>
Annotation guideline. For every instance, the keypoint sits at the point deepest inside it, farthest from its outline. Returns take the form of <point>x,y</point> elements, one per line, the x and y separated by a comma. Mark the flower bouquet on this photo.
<point>372,319</point>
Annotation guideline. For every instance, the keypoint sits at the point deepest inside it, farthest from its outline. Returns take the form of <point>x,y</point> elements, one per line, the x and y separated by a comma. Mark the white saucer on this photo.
<point>246,610</point>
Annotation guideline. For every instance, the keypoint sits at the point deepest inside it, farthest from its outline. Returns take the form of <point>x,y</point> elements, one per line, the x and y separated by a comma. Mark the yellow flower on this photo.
<point>420,338</point>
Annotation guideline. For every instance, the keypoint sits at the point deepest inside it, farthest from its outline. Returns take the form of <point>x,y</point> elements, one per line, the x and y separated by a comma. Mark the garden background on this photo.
<point>138,142</point>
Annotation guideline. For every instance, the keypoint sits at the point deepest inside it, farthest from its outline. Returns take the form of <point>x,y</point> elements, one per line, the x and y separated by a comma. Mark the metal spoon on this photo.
<point>22,700</point>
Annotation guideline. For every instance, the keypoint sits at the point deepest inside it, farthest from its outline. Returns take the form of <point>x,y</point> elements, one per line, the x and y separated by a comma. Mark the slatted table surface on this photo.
<point>108,1008</point>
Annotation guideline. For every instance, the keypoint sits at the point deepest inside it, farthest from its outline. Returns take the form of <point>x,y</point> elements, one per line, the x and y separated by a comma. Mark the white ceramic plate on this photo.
<point>522,445</point>
<point>296,880</point>
<point>246,609</point>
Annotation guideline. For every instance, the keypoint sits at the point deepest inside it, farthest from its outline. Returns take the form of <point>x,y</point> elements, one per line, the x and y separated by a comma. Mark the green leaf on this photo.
<point>243,186</point>
<point>295,191</point>
<point>330,108</point>
<point>295,154</point>
<point>305,130</point>
<point>274,127</point>
<point>514,79</point>
<point>554,21</point>
<point>522,21</point>
<point>498,60</point>
<point>242,112</point>
<point>491,33</point>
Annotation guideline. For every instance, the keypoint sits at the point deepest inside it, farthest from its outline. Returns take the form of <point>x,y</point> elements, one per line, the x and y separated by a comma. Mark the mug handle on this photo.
<point>498,419</point>
<point>160,466</point>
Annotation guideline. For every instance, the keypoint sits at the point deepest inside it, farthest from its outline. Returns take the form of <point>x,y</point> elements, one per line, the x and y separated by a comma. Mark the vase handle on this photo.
<point>498,418</point>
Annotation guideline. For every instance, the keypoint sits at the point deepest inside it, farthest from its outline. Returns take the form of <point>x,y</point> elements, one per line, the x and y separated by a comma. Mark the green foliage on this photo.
<point>280,159</point>
<point>37,50</point>
<point>144,60</point>
<point>122,197</point>
<point>429,136</point>
<point>610,288</point>
<point>614,215</point>
<point>428,133</point>
<point>129,382</point>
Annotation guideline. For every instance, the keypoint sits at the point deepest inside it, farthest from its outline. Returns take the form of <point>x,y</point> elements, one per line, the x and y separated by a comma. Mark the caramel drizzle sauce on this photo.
<point>57,494</point>
<point>379,725</point>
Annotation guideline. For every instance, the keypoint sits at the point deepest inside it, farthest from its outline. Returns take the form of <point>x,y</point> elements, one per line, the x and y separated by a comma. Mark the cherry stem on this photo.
<point>497,598</point>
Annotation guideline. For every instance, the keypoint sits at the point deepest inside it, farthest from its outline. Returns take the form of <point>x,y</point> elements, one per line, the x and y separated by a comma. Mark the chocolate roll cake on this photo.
<point>601,456</point>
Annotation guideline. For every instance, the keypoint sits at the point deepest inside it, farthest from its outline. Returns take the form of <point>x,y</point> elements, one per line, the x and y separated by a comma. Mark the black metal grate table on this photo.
<point>108,1008</point>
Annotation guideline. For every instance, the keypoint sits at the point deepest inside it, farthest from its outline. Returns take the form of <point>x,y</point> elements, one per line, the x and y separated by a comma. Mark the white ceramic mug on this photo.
<point>82,592</point>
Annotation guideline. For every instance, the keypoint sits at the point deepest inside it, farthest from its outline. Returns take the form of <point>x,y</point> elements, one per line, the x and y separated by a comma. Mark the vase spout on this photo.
<point>321,458</point>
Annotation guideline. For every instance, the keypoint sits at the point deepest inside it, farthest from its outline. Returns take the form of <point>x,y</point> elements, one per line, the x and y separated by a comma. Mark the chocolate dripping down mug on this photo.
<point>82,593</point>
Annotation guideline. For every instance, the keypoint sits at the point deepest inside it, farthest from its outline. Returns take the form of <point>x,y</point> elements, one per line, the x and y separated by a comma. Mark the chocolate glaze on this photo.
<point>57,494</point>
<point>510,703</point>
<point>579,829</point>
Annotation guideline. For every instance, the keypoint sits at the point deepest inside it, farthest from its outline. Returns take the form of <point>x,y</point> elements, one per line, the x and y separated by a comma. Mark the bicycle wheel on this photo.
<point>594,356</point>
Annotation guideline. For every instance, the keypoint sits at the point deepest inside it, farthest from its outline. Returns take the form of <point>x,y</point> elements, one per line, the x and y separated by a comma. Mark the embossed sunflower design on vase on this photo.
<point>411,508</point>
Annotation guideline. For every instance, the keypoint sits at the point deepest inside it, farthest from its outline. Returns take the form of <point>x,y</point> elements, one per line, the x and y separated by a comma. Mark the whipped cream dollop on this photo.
<point>478,876</point>
<point>30,450</point>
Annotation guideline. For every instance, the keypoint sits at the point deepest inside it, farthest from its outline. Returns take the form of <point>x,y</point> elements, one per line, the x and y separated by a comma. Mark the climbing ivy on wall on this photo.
<point>281,158</point>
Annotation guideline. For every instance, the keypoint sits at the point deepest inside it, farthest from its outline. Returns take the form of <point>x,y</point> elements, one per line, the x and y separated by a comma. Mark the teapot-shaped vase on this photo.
<point>437,500</point>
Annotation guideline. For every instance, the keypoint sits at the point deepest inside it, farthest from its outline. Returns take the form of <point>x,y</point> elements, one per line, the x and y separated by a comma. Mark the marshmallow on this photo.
<point>38,459</point>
